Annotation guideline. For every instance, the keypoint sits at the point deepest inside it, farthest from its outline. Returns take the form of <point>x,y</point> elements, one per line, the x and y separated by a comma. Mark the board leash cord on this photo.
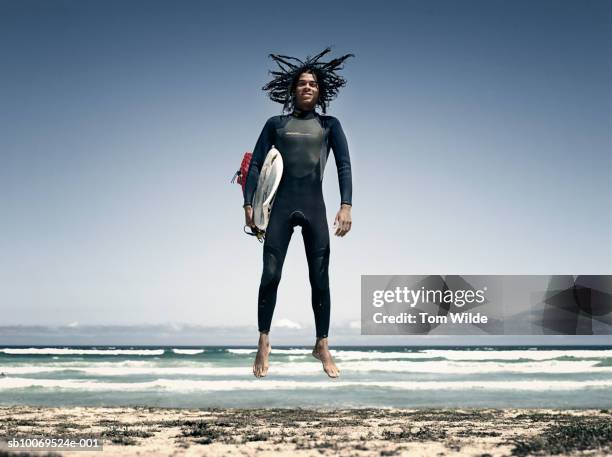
<point>260,234</point>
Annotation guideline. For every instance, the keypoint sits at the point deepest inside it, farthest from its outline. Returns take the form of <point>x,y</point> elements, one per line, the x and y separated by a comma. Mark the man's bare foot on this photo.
<point>260,367</point>
<point>321,352</point>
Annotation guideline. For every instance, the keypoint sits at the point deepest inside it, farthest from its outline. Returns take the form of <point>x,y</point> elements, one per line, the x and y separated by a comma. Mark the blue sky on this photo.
<point>480,135</point>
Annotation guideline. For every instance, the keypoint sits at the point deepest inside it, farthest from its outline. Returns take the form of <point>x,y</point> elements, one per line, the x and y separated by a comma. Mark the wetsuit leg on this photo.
<point>316,241</point>
<point>278,235</point>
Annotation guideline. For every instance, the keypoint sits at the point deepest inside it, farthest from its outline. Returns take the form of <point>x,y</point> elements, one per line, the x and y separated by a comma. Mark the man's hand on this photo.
<point>248,216</point>
<point>343,220</point>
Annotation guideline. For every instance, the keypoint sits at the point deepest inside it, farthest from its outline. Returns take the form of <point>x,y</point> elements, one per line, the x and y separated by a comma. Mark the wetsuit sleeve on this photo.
<point>263,145</point>
<point>343,161</point>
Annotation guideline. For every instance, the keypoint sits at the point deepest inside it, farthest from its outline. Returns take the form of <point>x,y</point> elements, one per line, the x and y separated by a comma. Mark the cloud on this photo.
<point>286,323</point>
<point>73,324</point>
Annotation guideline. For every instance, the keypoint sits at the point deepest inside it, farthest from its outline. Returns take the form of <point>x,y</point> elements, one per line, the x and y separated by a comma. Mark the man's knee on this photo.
<point>318,267</point>
<point>272,268</point>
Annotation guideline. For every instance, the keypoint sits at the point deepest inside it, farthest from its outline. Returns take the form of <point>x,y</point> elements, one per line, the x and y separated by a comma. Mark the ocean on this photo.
<point>203,377</point>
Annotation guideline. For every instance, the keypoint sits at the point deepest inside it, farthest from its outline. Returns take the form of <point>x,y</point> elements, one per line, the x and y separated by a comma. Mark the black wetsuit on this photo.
<point>304,140</point>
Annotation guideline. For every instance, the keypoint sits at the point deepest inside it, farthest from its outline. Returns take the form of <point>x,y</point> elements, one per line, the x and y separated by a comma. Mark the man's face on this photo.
<point>306,92</point>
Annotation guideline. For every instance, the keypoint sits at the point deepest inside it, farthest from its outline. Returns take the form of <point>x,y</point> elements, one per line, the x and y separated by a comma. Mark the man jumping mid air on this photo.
<point>304,138</point>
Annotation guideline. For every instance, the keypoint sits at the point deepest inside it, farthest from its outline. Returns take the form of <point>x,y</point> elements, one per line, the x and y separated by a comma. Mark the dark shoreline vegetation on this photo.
<point>386,431</point>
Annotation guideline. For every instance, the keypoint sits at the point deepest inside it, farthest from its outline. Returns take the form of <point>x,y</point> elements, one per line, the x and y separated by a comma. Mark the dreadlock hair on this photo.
<point>282,88</point>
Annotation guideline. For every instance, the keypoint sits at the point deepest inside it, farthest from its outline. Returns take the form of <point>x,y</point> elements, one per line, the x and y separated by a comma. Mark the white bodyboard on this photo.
<point>269,178</point>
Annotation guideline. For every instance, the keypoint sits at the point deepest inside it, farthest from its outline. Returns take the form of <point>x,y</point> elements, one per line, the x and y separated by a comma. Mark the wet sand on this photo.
<point>149,431</point>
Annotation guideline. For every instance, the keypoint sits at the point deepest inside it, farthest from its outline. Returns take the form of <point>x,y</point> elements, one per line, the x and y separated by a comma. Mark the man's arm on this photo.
<point>343,161</point>
<point>339,144</point>
<point>263,145</point>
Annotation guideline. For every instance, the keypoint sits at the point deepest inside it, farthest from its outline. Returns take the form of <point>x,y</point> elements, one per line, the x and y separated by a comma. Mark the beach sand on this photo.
<point>151,431</point>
